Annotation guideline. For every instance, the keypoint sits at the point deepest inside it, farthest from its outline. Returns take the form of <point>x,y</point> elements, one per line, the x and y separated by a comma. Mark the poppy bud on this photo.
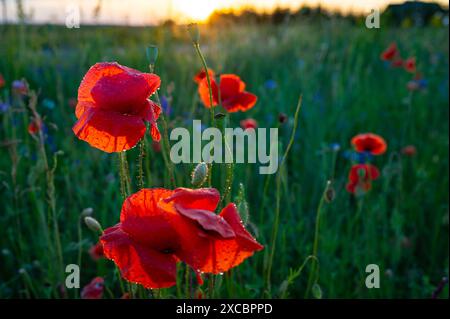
<point>219,116</point>
<point>93,224</point>
<point>152,54</point>
<point>316,291</point>
<point>330,193</point>
<point>87,212</point>
<point>194,32</point>
<point>199,174</point>
<point>282,118</point>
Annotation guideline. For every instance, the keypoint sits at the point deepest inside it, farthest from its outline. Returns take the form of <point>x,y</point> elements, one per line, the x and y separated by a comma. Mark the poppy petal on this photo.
<point>203,91</point>
<point>137,263</point>
<point>109,131</point>
<point>141,216</point>
<point>201,198</point>
<point>230,86</point>
<point>207,220</point>
<point>241,102</point>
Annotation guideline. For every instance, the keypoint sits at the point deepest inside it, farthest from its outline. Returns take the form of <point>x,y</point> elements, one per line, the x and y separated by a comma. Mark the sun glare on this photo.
<point>196,10</point>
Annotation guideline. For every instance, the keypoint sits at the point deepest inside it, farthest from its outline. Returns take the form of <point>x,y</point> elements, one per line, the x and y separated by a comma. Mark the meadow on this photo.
<point>48,184</point>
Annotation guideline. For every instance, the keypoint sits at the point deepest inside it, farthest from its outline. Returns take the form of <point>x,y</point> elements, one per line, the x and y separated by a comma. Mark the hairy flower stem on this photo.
<point>211,108</point>
<point>166,143</point>
<point>140,164</point>
<point>125,180</point>
<point>316,241</point>
<point>278,198</point>
<point>51,198</point>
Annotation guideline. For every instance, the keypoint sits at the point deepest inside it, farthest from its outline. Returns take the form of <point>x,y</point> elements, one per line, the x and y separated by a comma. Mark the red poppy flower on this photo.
<point>96,251</point>
<point>368,142</point>
<point>410,65</point>
<point>397,63</point>
<point>390,53</point>
<point>2,81</point>
<point>409,150</point>
<point>160,227</point>
<point>34,127</point>
<point>113,106</point>
<point>202,75</point>
<point>93,290</point>
<point>249,123</point>
<point>361,176</point>
<point>212,243</point>
<point>233,96</point>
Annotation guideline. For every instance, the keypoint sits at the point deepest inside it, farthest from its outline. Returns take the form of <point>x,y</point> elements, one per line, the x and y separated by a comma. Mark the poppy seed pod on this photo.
<point>152,54</point>
<point>199,174</point>
<point>194,32</point>
<point>93,224</point>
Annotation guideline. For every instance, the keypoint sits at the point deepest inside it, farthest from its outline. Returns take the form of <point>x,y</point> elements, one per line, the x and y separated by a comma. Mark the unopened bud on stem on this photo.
<point>199,174</point>
<point>93,224</point>
<point>194,32</point>
<point>152,54</point>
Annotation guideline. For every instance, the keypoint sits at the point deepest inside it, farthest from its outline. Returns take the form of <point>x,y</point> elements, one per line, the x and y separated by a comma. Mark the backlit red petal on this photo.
<point>109,131</point>
<point>137,263</point>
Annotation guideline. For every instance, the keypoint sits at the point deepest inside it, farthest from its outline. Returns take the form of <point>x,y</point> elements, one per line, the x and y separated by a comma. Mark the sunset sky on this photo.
<point>138,12</point>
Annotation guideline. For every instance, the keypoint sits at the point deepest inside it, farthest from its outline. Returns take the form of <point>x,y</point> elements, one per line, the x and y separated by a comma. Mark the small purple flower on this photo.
<point>270,84</point>
<point>359,157</point>
<point>19,87</point>
<point>4,107</point>
<point>167,109</point>
<point>335,147</point>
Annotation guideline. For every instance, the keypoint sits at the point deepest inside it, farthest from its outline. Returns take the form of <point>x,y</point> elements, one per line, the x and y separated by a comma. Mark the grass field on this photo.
<point>400,225</point>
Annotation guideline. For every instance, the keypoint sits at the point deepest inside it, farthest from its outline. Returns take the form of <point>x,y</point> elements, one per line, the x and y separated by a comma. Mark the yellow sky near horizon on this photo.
<point>139,12</point>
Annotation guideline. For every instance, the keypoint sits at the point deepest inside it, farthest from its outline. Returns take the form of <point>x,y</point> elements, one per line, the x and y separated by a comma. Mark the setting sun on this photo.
<point>197,10</point>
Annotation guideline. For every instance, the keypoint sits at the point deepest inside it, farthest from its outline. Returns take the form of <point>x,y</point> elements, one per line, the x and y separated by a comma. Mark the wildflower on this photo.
<point>270,84</point>
<point>417,83</point>
<point>159,227</point>
<point>391,53</point>
<point>409,150</point>
<point>233,96</point>
<point>93,290</point>
<point>113,106</point>
<point>202,75</point>
<point>368,142</point>
<point>2,81</point>
<point>96,251</point>
<point>335,147</point>
<point>410,65</point>
<point>165,104</point>
<point>34,127</point>
<point>248,124</point>
<point>20,87</point>
<point>397,63</point>
<point>4,107</point>
<point>360,178</point>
